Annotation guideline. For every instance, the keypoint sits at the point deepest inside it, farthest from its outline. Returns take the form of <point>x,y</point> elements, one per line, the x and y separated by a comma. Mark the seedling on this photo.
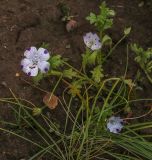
<point>104,20</point>
<point>67,17</point>
<point>144,59</point>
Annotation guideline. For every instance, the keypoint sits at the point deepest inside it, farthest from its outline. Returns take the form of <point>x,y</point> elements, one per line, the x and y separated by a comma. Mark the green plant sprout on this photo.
<point>65,11</point>
<point>144,59</point>
<point>104,20</point>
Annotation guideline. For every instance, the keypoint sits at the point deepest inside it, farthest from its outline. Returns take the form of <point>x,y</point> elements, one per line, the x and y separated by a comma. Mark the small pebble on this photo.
<point>17,75</point>
<point>68,46</point>
<point>141,4</point>
<point>4,84</point>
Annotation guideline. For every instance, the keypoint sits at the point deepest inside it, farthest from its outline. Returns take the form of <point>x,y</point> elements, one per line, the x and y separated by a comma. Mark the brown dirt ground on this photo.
<point>25,23</point>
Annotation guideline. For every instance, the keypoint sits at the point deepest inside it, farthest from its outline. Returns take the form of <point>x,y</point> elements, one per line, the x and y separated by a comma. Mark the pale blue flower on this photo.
<point>35,60</point>
<point>92,41</point>
<point>115,124</point>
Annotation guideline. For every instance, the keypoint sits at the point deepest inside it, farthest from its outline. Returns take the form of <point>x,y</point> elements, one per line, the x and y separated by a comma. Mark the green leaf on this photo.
<point>143,57</point>
<point>129,82</point>
<point>56,61</point>
<point>136,48</point>
<point>45,45</point>
<point>92,18</point>
<point>75,88</point>
<point>89,58</point>
<point>103,20</point>
<point>100,58</point>
<point>69,73</point>
<point>112,13</point>
<point>148,53</point>
<point>92,58</point>
<point>38,78</point>
<point>97,73</point>
<point>127,30</point>
<point>37,111</point>
<point>106,40</point>
<point>149,67</point>
<point>85,58</point>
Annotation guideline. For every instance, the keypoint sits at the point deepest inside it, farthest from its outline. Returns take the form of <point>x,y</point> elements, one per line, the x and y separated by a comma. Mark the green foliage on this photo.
<point>65,10</point>
<point>97,73</point>
<point>103,20</point>
<point>129,82</point>
<point>149,67</point>
<point>127,30</point>
<point>38,78</point>
<point>89,58</point>
<point>75,88</point>
<point>88,138</point>
<point>56,61</point>
<point>106,40</point>
<point>45,45</point>
<point>144,59</point>
<point>69,73</point>
<point>37,111</point>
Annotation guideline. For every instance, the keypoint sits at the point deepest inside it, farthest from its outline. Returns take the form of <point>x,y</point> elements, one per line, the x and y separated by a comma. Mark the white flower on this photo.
<point>92,41</point>
<point>35,60</point>
<point>115,124</point>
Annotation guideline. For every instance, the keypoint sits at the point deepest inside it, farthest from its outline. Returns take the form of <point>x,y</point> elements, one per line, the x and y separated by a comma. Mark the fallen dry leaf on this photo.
<point>50,100</point>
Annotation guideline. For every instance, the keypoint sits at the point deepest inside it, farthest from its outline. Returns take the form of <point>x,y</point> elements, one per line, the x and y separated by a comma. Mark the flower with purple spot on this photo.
<point>115,124</point>
<point>35,60</point>
<point>21,66</point>
<point>29,73</point>
<point>92,41</point>
<point>28,49</point>
<point>46,69</point>
<point>46,51</point>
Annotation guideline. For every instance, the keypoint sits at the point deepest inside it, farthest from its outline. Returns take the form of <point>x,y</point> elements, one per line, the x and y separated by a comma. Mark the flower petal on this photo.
<point>44,66</point>
<point>30,52</point>
<point>96,45</point>
<point>89,35</point>
<point>25,62</point>
<point>87,39</point>
<point>43,54</point>
<point>95,37</point>
<point>34,71</point>
<point>31,71</point>
<point>96,42</point>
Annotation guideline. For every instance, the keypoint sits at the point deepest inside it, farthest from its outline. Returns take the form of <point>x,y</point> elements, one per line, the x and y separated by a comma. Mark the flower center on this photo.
<point>91,43</point>
<point>113,122</point>
<point>35,59</point>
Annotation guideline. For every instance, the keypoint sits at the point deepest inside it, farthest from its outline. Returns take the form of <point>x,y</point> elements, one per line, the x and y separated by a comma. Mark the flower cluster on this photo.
<point>115,124</point>
<point>35,60</point>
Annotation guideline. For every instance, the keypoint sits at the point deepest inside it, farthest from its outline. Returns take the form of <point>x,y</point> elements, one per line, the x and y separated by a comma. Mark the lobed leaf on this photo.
<point>97,73</point>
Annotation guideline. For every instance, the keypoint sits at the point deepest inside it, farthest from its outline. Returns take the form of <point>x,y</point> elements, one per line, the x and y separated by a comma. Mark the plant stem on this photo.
<point>113,48</point>
<point>149,78</point>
